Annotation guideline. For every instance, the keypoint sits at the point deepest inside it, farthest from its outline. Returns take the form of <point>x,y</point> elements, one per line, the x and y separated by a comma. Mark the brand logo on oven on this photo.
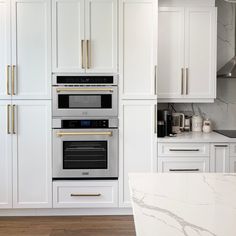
<point>85,113</point>
<point>85,173</point>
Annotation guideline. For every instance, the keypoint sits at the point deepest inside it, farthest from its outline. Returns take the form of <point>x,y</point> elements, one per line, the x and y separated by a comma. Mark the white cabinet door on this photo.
<point>137,135</point>
<point>232,164</point>
<point>4,48</point>
<point>68,22</point>
<point>138,48</point>
<point>101,33</point>
<point>32,178</point>
<point>170,52</point>
<point>5,156</point>
<point>200,52</point>
<point>31,48</point>
<point>219,160</point>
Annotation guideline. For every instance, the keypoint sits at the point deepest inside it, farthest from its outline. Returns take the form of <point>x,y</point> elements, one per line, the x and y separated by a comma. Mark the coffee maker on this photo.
<point>164,123</point>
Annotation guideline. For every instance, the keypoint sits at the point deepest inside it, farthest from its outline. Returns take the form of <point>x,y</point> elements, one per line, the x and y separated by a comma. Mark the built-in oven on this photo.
<point>85,96</point>
<point>85,148</point>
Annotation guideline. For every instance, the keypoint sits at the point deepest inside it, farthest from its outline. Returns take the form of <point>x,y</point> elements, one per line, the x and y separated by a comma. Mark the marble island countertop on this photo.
<point>200,137</point>
<point>184,204</point>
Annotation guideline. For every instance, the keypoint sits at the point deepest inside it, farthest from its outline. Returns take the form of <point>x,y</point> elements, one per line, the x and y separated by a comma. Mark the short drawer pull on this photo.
<point>184,150</point>
<point>85,194</point>
<point>182,170</point>
<point>221,145</point>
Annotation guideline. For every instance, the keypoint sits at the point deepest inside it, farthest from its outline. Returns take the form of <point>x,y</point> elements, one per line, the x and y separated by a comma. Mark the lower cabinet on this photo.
<point>26,131</point>
<point>137,139</point>
<point>232,164</point>
<point>85,194</point>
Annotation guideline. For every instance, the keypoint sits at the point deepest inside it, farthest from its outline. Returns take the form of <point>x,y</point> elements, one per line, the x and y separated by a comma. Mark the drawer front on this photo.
<point>184,149</point>
<point>84,194</point>
<point>180,165</point>
<point>233,150</point>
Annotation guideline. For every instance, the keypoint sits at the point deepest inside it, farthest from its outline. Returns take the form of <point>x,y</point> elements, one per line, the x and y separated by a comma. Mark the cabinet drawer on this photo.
<point>183,149</point>
<point>233,150</point>
<point>180,165</point>
<point>84,194</point>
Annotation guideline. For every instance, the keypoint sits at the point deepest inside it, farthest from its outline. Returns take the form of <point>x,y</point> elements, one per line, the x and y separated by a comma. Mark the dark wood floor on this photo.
<point>67,226</point>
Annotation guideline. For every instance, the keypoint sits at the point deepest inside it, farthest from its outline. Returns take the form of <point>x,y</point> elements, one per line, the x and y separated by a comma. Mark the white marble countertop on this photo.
<point>201,137</point>
<point>184,204</point>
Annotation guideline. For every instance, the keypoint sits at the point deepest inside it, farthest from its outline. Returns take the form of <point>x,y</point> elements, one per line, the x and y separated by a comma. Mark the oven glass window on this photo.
<point>85,155</point>
<point>85,101</point>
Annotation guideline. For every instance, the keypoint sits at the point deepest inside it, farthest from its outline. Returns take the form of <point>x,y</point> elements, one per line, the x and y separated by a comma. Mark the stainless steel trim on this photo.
<point>155,120</point>
<point>184,170</point>
<point>85,194</point>
<point>88,50</point>
<point>59,134</point>
<point>8,90</point>
<point>8,119</point>
<point>184,150</point>
<point>82,53</point>
<point>13,119</point>
<point>187,80</point>
<point>84,89</point>
<point>182,81</point>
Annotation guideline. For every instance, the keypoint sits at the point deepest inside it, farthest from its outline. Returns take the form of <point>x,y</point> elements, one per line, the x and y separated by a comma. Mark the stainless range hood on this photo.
<point>228,71</point>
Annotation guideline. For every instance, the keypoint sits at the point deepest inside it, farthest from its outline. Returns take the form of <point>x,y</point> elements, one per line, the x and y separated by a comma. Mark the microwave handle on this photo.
<point>60,134</point>
<point>84,89</point>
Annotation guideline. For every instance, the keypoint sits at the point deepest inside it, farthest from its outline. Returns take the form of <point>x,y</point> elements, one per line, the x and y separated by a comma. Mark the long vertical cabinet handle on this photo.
<point>182,81</point>
<point>8,90</point>
<point>88,54</point>
<point>187,80</point>
<point>8,119</point>
<point>155,80</point>
<point>13,119</point>
<point>155,119</point>
<point>13,80</point>
<point>82,54</point>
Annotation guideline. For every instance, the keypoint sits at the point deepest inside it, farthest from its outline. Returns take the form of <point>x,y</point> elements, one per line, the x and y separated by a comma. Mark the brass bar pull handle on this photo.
<point>85,194</point>
<point>13,80</point>
<point>182,81</point>
<point>82,54</point>
<point>187,80</point>
<point>8,119</point>
<point>84,89</point>
<point>13,119</point>
<point>88,48</point>
<point>60,134</point>
<point>8,90</point>
<point>184,150</point>
<point>184,170</point>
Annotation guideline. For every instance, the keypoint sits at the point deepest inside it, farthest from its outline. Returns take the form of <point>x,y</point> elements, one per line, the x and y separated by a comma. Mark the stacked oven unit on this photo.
<point>85,127</point>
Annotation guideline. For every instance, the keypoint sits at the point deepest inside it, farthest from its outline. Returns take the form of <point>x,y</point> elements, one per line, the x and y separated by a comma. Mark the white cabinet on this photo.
<point>5,156</point>
<point>220,158</point>
<point>25,60</point>
<point>187,59</point>
<point>137,137</point>
<point>138,48</point>
<point>232,164</point>
<point>85,36</point>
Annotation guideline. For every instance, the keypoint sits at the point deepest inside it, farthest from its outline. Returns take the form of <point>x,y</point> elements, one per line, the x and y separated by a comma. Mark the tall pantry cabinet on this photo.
<point>25,106</point>
<point>138,99</point>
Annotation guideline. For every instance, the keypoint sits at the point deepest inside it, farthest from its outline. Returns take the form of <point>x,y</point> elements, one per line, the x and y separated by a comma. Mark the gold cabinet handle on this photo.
<point>155,80</point>
<point>182,81</point>
<point>187,80</point>
<point>8,90</point>
<point>88,51</point>
<point>82,54</point>
<point>60,134</point>
<point>8,119</point>
<point>13,119</point>
<point>85,194</point>
<point>84,89</point>
<point>13,80</point>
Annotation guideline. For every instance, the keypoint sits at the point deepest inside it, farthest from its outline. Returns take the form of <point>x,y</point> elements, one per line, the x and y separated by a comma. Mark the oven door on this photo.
<point>87,153</point>
<point>84,101</point>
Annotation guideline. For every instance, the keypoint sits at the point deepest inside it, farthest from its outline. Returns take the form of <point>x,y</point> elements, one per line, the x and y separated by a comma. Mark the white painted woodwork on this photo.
<point>5,158</point>
<point>232,164</point>
<point>170,52</point>
<point>232,150</point>
<point>68,31</point>
<point>31,48</point>
<point>32,178</point>
<point>183,149</point>
<point>138,48</point>
<point>4,46</point>
<point>137,137</point>
<point>187,3</point>
<point>102,32</point>
<point>189,164</point>
<point>220,158</point>
<point>62,191</point>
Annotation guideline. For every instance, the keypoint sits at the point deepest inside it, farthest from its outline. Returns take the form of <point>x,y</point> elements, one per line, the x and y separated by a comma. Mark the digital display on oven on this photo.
<point>85,123</point>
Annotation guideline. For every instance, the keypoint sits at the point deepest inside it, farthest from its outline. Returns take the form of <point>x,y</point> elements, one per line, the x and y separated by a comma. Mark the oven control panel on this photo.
<point>85,124</point>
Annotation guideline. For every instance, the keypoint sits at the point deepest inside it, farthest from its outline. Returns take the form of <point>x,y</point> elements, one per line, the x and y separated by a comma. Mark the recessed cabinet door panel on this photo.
<point>200,53</point>
<point>31,48</point>
<point>5,157</point>
<point>4,47</point>
<point>233,165</point>
<point>136,142</point>
<point>170,52</point>
<point>68,33</point>
<point>138,48</point>
<point>32,178</point>
<point>101,31</point>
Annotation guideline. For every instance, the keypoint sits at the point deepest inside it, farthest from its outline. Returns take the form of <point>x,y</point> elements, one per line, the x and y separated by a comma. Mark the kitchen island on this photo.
<point>184,204</point>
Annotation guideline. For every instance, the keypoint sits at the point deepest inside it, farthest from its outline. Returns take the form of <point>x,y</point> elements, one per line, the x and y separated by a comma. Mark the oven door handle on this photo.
<point>84,89</point>
<point>60,134</point>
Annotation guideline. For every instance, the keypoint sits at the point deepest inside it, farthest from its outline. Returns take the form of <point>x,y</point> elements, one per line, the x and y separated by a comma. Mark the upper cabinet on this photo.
<point>85,36</point>
<point>25,64</point>
<point>138,48</point>
<point>187,54</point>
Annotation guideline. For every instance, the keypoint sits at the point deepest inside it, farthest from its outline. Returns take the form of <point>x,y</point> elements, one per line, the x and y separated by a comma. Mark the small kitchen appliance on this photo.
<point>165,121</point>
<point>178,121</point>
